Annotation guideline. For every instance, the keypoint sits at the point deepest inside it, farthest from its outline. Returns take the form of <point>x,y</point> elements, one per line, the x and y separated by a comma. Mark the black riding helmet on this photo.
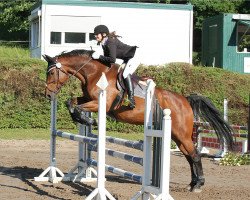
<point>101,29</point>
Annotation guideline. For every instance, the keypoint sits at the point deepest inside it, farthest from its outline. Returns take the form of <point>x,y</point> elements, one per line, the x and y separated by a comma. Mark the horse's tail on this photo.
<point>205,109</point>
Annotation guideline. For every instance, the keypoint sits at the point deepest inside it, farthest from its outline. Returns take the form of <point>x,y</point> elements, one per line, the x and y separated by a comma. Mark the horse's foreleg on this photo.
<point>78,112</point>
<point>74,101</point>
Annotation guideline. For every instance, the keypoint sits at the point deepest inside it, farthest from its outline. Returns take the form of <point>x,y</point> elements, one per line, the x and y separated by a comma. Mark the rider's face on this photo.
<point>99,37</point>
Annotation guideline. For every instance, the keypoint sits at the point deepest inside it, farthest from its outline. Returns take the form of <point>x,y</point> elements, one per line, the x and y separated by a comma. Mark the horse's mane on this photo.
<point>76,52</point>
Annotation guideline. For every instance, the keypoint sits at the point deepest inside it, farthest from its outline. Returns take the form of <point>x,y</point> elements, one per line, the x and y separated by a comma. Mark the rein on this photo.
<point>58,66</point>
<point>80,68</point>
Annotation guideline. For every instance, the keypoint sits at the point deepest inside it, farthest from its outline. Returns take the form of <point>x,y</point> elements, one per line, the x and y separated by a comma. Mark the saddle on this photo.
<point>139,84</point>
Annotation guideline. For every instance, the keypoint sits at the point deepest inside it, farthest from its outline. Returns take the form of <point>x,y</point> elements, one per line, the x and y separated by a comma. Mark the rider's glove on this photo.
<point>96,55</point>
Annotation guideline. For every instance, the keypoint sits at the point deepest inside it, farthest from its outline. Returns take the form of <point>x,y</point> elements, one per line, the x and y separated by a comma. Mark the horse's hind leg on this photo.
<point>198,171</point>
<point>194,160</point>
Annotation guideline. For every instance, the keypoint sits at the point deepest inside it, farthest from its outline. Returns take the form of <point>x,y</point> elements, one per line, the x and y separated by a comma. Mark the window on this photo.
<point>91,36</point>
<point>243,36</point>
<point>55,37</point>
<point>75,37</point>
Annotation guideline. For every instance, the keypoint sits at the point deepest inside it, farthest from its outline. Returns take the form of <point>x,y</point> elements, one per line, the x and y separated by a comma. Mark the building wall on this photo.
<point>226,55</point>
<point>162,35</point>
<point>232,59</point>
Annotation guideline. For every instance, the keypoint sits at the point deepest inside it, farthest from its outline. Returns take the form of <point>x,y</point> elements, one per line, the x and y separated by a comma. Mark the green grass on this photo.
<point>44,134</point>
<point>14,52</point>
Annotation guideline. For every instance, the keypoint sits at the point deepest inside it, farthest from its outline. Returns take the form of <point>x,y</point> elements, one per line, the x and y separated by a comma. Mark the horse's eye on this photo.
<point>52,73</point>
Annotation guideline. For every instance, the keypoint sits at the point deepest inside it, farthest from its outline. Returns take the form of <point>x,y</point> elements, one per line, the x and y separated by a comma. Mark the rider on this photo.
<point>112,49</point>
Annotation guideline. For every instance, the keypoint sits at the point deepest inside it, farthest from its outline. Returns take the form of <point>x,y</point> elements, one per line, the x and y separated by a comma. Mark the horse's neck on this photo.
<point>90,71</point>
<point>97,69</point>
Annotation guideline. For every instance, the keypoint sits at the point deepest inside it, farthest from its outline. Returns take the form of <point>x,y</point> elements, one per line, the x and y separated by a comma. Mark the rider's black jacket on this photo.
<point>114,48</point>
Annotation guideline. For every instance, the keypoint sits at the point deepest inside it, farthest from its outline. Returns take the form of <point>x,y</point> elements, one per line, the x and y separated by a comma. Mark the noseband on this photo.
<point>59,66</point>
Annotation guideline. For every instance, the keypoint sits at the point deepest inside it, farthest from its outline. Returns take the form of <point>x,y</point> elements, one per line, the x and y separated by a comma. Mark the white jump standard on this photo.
<point>148,191</point>
<point>100,192</point>
<point>83,171</point>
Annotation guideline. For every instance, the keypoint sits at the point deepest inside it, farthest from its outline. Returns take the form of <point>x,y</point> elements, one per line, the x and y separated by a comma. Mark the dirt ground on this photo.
<point>22,160</point>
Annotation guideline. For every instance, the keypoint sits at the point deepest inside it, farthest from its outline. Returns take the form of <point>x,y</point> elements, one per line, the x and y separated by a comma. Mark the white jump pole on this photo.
<point>223,148</point>
<point>100,193</point>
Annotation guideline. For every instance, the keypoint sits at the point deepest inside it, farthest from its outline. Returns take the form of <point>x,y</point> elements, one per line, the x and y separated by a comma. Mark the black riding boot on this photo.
<point>130,89</point>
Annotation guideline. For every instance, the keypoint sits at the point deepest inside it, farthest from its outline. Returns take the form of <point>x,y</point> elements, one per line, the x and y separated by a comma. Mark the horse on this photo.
<point>79,64</point>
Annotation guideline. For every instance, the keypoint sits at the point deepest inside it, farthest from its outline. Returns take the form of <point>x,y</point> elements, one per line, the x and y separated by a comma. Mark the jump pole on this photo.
<point>100,193</point>
<point>223,148</point>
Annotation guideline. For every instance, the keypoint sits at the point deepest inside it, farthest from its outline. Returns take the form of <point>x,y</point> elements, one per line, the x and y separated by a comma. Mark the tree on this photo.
<point>14,19</point>
<point>208,8</point>
<point>14,14</point>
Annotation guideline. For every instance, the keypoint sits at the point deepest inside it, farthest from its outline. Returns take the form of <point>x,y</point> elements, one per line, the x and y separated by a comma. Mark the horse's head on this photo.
<point>56,76</point>
<point>62,67</point>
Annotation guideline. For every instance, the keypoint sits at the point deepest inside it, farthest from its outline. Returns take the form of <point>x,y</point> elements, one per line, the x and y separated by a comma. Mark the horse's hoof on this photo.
<point>83,119</point>
<point>95,123</point>
<point>196,190</point>
<point>189,188</point>
<point>69,106</point>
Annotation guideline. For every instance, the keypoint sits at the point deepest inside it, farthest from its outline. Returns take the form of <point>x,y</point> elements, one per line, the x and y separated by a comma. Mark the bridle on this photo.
<point>57,65</point>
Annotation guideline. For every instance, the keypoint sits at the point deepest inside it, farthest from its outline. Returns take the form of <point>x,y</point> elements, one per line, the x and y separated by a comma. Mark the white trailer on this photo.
<point>163,32</point>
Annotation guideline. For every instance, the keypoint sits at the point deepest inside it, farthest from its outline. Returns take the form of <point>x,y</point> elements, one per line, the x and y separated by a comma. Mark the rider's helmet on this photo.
<point>101,29</point>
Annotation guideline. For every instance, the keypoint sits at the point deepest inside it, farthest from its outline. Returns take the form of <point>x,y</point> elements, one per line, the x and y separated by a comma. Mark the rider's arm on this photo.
<point>109,54</point>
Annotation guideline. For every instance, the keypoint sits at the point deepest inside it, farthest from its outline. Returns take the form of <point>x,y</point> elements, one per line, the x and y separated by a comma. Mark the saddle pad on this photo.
<point>140,90</point>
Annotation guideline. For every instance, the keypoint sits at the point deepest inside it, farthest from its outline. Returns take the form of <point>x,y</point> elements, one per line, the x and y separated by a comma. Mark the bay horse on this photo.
<point>79,63</point>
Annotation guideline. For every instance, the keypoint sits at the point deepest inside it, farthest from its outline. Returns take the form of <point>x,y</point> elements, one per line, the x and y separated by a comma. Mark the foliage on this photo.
<point>22,84</point>
<point>14,14</point>
<point>196,58</point>
<point>207,8</point>
<point>244,43</point>
<point>214,83</point>
<point>142,1</point>
<point>235,159</point>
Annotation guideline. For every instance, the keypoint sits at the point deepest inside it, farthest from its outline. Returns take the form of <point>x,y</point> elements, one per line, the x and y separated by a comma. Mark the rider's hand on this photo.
<point>96,55</point>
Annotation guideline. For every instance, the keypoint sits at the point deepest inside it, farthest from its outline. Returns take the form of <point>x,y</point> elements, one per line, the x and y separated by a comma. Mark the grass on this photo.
<point>44,134</point>
<point>14,52</point>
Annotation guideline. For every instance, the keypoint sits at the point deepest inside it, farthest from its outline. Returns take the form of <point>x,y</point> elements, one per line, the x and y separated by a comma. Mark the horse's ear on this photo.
<point>48,58</point>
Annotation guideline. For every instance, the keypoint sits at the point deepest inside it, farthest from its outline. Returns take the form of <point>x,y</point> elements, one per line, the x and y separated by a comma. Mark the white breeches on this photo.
<point>131,66</point>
